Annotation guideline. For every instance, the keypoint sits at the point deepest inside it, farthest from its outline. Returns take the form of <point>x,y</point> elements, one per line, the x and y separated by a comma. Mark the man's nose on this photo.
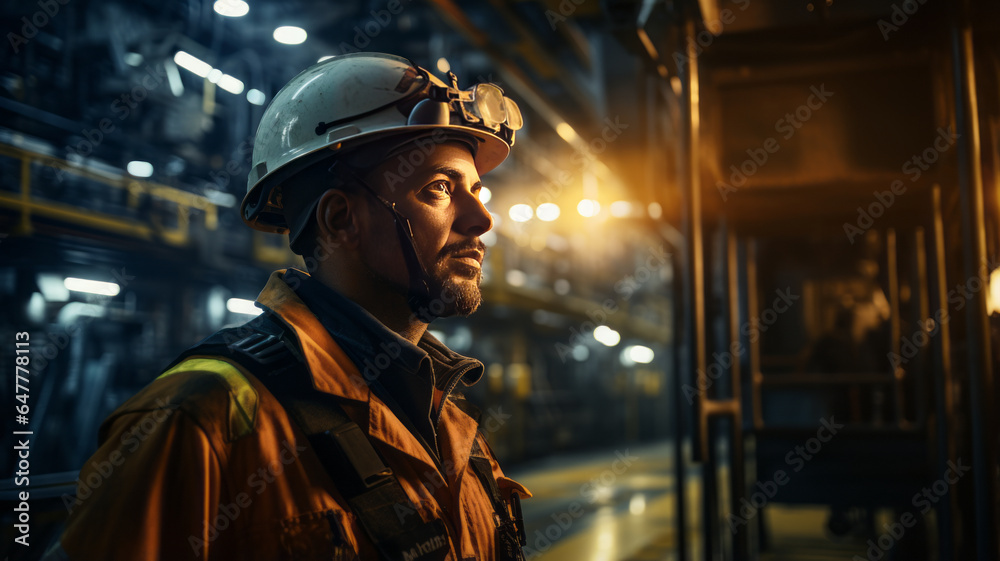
<point>471,219</point>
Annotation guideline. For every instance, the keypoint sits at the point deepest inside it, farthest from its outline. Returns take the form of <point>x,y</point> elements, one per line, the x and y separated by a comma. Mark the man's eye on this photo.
<point>440,187</point>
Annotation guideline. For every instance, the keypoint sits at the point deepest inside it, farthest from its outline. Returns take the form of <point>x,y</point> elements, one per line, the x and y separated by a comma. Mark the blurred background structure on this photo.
<point>741,299</point>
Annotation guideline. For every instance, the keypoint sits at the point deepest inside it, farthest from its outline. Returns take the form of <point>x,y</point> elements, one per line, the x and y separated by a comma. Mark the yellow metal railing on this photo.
<point>24,203</point>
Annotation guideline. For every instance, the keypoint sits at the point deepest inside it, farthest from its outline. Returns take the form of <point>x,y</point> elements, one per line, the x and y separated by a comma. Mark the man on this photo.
<point>329,426</point>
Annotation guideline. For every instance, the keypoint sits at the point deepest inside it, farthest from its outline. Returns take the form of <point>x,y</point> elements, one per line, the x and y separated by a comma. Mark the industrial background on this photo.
<point>741,298</point>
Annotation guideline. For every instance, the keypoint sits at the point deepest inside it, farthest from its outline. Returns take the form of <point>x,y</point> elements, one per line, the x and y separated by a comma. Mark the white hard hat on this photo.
<point>340,103</point>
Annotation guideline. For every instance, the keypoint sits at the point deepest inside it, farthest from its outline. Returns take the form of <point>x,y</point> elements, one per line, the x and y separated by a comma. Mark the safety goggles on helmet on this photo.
<point>482,106</point>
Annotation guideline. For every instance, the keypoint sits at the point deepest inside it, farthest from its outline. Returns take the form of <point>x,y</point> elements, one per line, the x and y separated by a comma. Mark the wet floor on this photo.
<point>620,504</point>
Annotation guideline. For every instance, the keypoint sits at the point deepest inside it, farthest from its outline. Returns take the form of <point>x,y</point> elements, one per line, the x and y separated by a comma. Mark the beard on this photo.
<point>454,284</point>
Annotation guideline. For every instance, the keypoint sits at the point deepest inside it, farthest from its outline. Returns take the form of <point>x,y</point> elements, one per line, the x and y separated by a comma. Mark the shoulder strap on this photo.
<point>268,351</point>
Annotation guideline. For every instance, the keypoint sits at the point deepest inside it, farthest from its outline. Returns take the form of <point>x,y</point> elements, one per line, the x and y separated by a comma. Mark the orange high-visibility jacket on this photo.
<point>204,464</point>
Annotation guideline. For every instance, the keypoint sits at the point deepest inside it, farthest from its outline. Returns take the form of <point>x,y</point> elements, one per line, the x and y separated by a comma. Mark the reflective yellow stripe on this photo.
<point>242,395</point>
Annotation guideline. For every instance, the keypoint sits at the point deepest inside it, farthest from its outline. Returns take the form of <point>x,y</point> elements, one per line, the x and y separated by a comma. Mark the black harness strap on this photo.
<point>372,490</point>
<point>510,536</point>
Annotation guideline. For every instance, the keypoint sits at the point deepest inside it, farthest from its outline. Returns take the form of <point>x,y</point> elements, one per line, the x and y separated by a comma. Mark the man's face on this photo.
<point>440,197</point>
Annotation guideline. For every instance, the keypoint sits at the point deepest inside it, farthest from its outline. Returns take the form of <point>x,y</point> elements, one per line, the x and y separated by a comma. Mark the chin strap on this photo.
<point>418,295</point>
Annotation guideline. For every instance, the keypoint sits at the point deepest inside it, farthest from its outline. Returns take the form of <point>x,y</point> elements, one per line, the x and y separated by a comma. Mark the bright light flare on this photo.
<point>621,209</point>
<point>640,354</point>
<point>547,212</point>
<point>230,84</point>
<point>520,213</point>
<point>139,168</point>
<point>192,63</point>
<point>588,208</point>
<point>255,96</point>
<point>607,336</point>
<point>91,286</point>
<point>231,8</point>
<point>290,35</point>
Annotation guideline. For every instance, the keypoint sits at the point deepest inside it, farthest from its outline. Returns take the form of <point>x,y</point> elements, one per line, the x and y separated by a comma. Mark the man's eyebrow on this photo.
<point>455,175</point>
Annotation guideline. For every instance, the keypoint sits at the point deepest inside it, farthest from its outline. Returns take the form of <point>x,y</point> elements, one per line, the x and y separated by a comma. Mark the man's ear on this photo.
<point>336,218</point>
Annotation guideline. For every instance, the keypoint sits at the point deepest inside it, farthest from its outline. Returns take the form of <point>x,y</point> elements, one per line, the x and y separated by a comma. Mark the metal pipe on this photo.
<point>923,311</point>
<point>696,277</point>
<point>944,405</point>
<point>970,183</point>
<point>738,483</point>
<point>753,305</point>
<point>892,274</point>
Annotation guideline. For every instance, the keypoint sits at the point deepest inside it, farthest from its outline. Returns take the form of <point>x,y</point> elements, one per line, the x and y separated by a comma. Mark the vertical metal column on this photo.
<point>944,405</point>
<point>738,482</point>
<point>970,180</point>
<point>693,355</point>
<point>695,251</point>
<point>892,276</point>
<point>753,307</point>
<point>923,312</point>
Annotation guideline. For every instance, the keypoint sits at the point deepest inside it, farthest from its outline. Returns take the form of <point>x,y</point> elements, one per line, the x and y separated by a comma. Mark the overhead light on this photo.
<point>639,354</point>
<point>92,286</point>
<point>139,168</point>
<point>520,213</point>
<point>290,35</point>
<point>230,84</point>
<point>231,8</point>
<point>214,75</point>
<point>547,212</point>
<point>255,96</point>
<point>485,195</point>
<point>192,63</point>
<point>443,65</point>
<point>607,336</point>
<point>588,208</point>
<point>243,306</point>
<point>621,209</point>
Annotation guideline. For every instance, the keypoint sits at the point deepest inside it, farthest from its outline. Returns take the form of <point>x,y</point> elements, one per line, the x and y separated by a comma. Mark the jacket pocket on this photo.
<point>317,536</point>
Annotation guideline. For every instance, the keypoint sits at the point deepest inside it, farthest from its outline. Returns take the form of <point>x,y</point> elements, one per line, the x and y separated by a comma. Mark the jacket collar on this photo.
<point>334,373</point>
<point>361,336</point>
